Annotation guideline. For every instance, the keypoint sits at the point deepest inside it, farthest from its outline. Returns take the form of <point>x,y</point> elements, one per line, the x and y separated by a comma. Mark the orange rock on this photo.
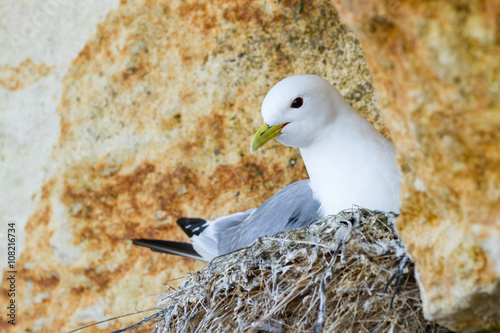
<point>436,73</point>
<point>156,116</point>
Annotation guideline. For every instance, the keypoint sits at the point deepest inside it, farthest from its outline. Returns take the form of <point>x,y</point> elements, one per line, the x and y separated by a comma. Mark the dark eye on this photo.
<point>297,103</point>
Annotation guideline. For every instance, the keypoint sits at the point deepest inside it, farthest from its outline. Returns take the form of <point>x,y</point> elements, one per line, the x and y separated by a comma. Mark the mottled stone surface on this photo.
<point>437,76</point>
<point>149,120</point>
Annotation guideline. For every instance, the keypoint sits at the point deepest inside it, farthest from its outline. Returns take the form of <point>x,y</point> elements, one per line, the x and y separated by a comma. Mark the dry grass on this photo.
<point>346,273</point>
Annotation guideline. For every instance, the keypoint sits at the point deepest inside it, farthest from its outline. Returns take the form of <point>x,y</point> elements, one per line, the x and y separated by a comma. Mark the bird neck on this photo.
<point>345,138</point>
<point>346,159</point>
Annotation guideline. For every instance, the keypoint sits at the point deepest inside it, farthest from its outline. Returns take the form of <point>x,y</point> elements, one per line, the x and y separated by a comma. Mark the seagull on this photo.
<point>348,161</point>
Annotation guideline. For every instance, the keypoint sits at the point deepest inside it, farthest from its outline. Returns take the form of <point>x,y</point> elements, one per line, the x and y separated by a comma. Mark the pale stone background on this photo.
<point>39,41</point>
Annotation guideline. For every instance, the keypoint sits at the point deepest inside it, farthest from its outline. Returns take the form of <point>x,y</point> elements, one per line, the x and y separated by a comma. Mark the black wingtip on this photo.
<point>184,249</point>
<point>192,226</point>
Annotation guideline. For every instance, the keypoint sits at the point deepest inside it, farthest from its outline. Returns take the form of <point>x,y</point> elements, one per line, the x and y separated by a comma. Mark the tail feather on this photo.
<point>192,226</point>
<point>184,249</point>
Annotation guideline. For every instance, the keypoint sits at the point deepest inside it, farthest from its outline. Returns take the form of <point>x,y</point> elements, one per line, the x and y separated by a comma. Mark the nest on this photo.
<point>345,273</point>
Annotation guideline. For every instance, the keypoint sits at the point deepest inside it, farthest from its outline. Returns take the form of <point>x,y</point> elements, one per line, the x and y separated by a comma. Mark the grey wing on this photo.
<point>206,242</point>
<point>291,207</point>
<point>204,234</point>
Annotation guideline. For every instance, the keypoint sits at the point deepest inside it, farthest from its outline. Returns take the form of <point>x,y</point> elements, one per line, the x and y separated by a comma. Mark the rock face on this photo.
<point>149,120</point>
<point>437,77</point>
<point>114,132</point>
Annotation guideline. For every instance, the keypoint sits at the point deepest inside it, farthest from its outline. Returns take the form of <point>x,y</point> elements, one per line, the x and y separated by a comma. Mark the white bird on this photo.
<point>348,161</point>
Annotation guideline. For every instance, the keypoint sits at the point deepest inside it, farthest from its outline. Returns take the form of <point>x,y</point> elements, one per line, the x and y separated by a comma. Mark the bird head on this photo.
<point>296,110</point>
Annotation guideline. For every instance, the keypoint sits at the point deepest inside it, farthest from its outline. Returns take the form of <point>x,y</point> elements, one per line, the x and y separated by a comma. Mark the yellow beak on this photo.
<point>264,134</point>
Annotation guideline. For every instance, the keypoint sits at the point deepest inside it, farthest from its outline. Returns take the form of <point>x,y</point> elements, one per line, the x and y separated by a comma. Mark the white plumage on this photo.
<point>348,161</point>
